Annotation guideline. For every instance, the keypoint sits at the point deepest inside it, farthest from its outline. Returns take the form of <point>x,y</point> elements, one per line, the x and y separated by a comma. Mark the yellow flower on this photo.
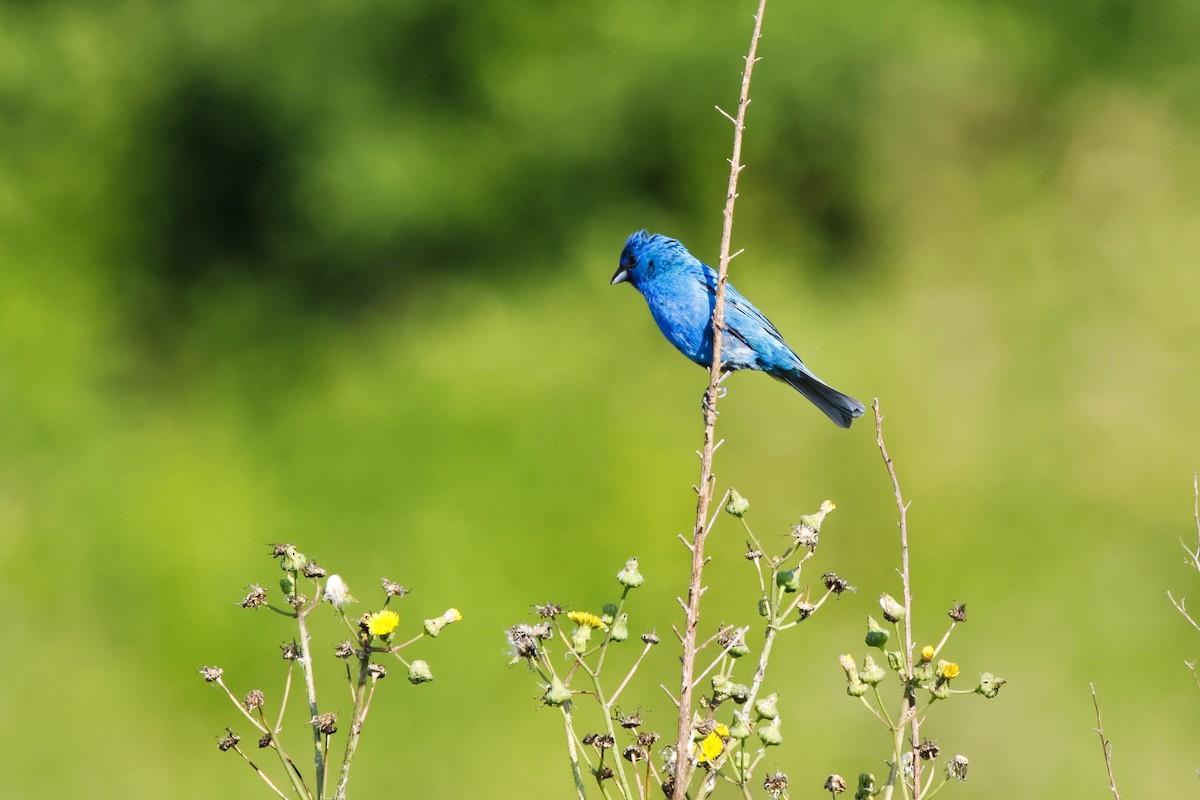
<point>722,730</point>
<point>927,653</point>
<point>586,619</point>
<point>947,670</point>
<point>381,623</point>
<point>711,747</point>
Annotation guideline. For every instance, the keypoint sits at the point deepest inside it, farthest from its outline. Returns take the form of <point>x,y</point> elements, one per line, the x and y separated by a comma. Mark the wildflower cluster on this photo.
<point>736,724</point>
<point>923,676</point>
<point>621,751</point>
<point>371,637</point>
<point>733,724</point>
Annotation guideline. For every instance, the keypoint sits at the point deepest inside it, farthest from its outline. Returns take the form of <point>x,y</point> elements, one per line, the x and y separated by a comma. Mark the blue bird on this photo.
<point>681,293</point>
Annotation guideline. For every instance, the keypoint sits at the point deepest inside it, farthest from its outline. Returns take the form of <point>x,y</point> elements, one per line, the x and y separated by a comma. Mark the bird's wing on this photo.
<point>750,326</point>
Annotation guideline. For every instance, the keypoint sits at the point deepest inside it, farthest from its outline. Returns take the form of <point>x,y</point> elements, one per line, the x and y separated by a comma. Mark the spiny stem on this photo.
<point>909,707</point>
<point>705,486</point>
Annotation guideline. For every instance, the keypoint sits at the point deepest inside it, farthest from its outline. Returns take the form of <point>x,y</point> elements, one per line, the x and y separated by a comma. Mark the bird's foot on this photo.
<point>719,393</point>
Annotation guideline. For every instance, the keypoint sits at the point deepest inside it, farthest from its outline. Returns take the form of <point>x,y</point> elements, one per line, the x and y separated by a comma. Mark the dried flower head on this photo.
<point>290,651</point>
<point>752,553</point>
<point>650,637</point>
<point>522,641</point>
<point>382,623</point>
<point>265,740</point>
<point>548,611</point>
<point>253,699</point>
<point>805,610</point>
<point>805,536</point>
<point>278,549</point>
<point>634,753</point>
<point>928,750</point>
<point>257,596</point>
<point>313,570</point>
<point>393,589</point>
<point>344,650</point>
<point>835,784</point>
<point>377,671</point>
<point>958,612</point>
<point>776,783</point>
<point>647,739</point>
<point>837,584</point>
<point>957,768</point>
<point>326,723</point>
<point>633,720</point>
<point>228,742</point>
<point>211,674</point>
<point>734,640</point>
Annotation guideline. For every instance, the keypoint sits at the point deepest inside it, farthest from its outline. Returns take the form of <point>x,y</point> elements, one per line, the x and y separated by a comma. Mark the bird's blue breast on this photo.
<point>682,307</point>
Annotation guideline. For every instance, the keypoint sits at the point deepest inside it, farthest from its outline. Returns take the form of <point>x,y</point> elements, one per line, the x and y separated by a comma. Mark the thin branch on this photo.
<point>908,711</point>
<point>705,486</point>
<point>1106,744</point>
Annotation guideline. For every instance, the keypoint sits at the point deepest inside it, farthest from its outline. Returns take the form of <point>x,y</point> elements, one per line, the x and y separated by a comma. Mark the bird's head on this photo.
<point>644,255</point>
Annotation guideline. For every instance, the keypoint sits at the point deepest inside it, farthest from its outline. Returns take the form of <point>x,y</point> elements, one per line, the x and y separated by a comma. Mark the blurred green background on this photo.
<point>337,274</point>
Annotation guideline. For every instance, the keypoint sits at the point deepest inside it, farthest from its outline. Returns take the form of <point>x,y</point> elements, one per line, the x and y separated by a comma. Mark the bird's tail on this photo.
<point>841,408</point>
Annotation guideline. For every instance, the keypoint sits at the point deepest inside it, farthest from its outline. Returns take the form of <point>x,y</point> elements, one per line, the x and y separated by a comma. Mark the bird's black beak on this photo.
<point>621,276</point>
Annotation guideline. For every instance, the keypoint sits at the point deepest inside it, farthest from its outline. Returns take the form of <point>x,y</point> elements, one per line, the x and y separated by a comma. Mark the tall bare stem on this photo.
<point>705,487</point>
<point>908,711</point>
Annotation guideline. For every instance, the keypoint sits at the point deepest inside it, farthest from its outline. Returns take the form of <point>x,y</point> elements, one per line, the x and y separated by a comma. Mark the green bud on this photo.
<point>434,626</point>
<point>769,734</point>
<point>741,761</point>
<point>288,584</point>
<point>989,685</point>
<point>789,580</point>
<point>608,613</point>
<point>580,638</point>
<point>740,729</point>
<point>764,608</point>
<point>854,685</point>
<point>737,505</point>
<point>292,560</point>
<point>871,674</point>
<point>767,707</point>
<point>895,660</point>
<point>630,577</point>
<point>721,686</point>
<point>419,672</point>
<point>923,671</point>
<point>620,629</point>
<point>866,787</point>
<point>813,521</point>
<point>740,692</point>
<point>876,635</point>
<point>940,690</point>
<point>556,693</point>
<point>892,610</point>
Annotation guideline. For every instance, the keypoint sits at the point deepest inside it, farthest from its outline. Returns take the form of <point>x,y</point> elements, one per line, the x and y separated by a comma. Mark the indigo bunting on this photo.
<point>681,293</point>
